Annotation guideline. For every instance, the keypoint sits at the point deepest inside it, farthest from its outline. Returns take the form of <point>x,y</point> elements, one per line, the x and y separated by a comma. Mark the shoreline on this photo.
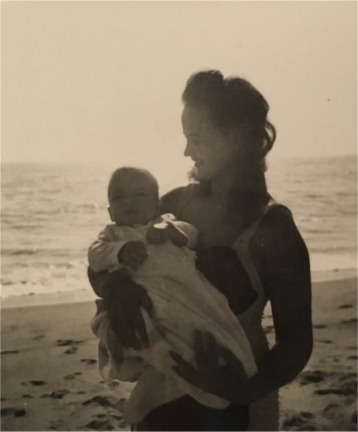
<point>87,295</point>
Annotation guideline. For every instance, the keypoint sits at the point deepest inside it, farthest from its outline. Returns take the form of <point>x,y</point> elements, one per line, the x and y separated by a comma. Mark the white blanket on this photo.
<point>183,301</point>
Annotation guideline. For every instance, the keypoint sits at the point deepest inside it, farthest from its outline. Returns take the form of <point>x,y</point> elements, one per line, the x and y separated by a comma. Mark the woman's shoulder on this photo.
<point>278,235</point>
<point>173,200</point>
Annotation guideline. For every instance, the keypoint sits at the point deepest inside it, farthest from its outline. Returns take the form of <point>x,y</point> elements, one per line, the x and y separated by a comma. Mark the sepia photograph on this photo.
<point>178,215</point>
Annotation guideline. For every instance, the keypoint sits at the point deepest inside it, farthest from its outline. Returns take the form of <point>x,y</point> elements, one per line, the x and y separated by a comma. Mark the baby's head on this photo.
<point>133,196</point>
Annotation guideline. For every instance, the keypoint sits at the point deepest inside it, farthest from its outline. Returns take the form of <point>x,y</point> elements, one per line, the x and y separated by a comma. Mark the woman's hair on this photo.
<point>239,110</point>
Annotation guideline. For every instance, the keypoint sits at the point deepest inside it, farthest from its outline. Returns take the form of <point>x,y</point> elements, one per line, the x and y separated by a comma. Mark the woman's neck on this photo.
<point>221,184</point>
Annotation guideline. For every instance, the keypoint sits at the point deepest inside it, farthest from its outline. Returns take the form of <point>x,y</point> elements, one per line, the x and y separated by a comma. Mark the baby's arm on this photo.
<point>112,250</point>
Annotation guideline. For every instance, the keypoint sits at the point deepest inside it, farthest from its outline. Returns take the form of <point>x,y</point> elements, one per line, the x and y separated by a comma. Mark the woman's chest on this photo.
<point>212,223</point>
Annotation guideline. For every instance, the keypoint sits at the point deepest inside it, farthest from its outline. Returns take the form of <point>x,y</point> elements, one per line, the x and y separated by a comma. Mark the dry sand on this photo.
<point>50,379</point>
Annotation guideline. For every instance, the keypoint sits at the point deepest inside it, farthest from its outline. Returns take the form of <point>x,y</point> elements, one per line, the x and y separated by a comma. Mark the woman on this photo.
<point>228,136</point>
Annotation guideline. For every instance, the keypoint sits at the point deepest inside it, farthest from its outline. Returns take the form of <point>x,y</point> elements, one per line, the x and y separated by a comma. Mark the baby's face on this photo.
<point>133,200</point>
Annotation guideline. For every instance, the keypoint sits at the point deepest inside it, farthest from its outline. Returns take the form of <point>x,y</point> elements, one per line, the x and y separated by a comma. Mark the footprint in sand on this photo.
<point>347,389</point>
<point>67,342</point>
<point>58,394</point>
<point>72,376</point>
<point>349,321</point>
<point>311,377</point>
<point>99,400</point>
<point>319,326</point>
<point>34,383</point>
<point>352,357</point>
<point>38,337</point>
<point>89,361</point>
<point>71,350</point>
<point>27,396</point>
<point>120,404</point>
<point>17,412</point>
<point>345,306</point>
<point>9,352</point>
<point>99,425</point>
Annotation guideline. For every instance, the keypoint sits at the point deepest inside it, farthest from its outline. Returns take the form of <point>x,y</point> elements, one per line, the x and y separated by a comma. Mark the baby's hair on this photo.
<point>133,171</point>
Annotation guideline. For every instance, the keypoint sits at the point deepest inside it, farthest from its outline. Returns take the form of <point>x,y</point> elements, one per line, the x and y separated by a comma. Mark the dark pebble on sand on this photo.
<point>27,396</point>
<point>20,412</point>
<point>352,357</point>
<point>58,394</point>
<point>345,306</point>
<point>37,382</point>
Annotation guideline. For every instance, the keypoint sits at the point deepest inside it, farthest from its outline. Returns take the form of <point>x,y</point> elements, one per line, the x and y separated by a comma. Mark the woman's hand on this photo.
<point>229,382</point>
<point>123,300</point>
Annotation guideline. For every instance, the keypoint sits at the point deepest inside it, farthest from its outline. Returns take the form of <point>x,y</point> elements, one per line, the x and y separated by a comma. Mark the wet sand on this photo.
<point>50,379</point>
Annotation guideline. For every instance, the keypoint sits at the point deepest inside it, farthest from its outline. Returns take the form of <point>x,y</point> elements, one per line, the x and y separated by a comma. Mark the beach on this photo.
<point>50,378</point>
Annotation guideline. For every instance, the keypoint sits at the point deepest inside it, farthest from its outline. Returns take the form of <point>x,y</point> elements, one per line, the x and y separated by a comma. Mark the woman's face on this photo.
<point>211,150</point>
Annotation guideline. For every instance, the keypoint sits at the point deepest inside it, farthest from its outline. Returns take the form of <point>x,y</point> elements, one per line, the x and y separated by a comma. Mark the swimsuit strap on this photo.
<point>242,248</point>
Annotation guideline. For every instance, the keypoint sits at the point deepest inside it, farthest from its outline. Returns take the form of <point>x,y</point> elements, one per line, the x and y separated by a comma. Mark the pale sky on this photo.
<point>101,81</point>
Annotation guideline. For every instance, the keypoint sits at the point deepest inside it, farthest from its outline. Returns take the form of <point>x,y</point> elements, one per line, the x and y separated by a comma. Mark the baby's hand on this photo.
<point>157,233</point>
<point>176,235</point>
<point>133,253</point>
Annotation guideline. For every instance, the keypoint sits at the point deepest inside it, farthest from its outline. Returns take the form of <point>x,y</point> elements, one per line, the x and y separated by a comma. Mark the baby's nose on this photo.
<point>126,203</point>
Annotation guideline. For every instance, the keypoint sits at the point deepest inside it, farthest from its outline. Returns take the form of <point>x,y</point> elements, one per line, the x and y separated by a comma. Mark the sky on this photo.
<point>101,82</point>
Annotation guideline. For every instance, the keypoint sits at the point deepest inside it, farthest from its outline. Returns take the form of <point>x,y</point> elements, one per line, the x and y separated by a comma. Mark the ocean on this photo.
<point>51,213</point>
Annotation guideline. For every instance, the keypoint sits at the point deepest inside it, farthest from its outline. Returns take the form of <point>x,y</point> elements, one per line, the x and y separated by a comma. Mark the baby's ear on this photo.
<point>110,213</point>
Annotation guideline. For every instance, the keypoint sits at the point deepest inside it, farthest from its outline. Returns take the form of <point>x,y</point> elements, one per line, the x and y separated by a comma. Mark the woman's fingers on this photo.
<point>141,331</point>
<point>199,349</point>
<point>232,360</point>
<point>184,369</point>
<point>205,351</point>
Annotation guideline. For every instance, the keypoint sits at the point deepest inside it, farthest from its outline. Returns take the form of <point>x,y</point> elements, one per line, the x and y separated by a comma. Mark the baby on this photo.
<point>157,250</point>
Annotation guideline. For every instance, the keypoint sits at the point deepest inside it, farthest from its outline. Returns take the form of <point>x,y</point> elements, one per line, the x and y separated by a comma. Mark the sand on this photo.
<point>50,379</point>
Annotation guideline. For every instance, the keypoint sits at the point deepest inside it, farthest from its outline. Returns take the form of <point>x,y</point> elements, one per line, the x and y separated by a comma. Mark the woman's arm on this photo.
<point>285,271</point>
<point>287,282</point>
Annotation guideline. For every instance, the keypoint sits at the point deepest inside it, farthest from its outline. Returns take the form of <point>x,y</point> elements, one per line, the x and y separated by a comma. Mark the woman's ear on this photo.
<point>110,214</point>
